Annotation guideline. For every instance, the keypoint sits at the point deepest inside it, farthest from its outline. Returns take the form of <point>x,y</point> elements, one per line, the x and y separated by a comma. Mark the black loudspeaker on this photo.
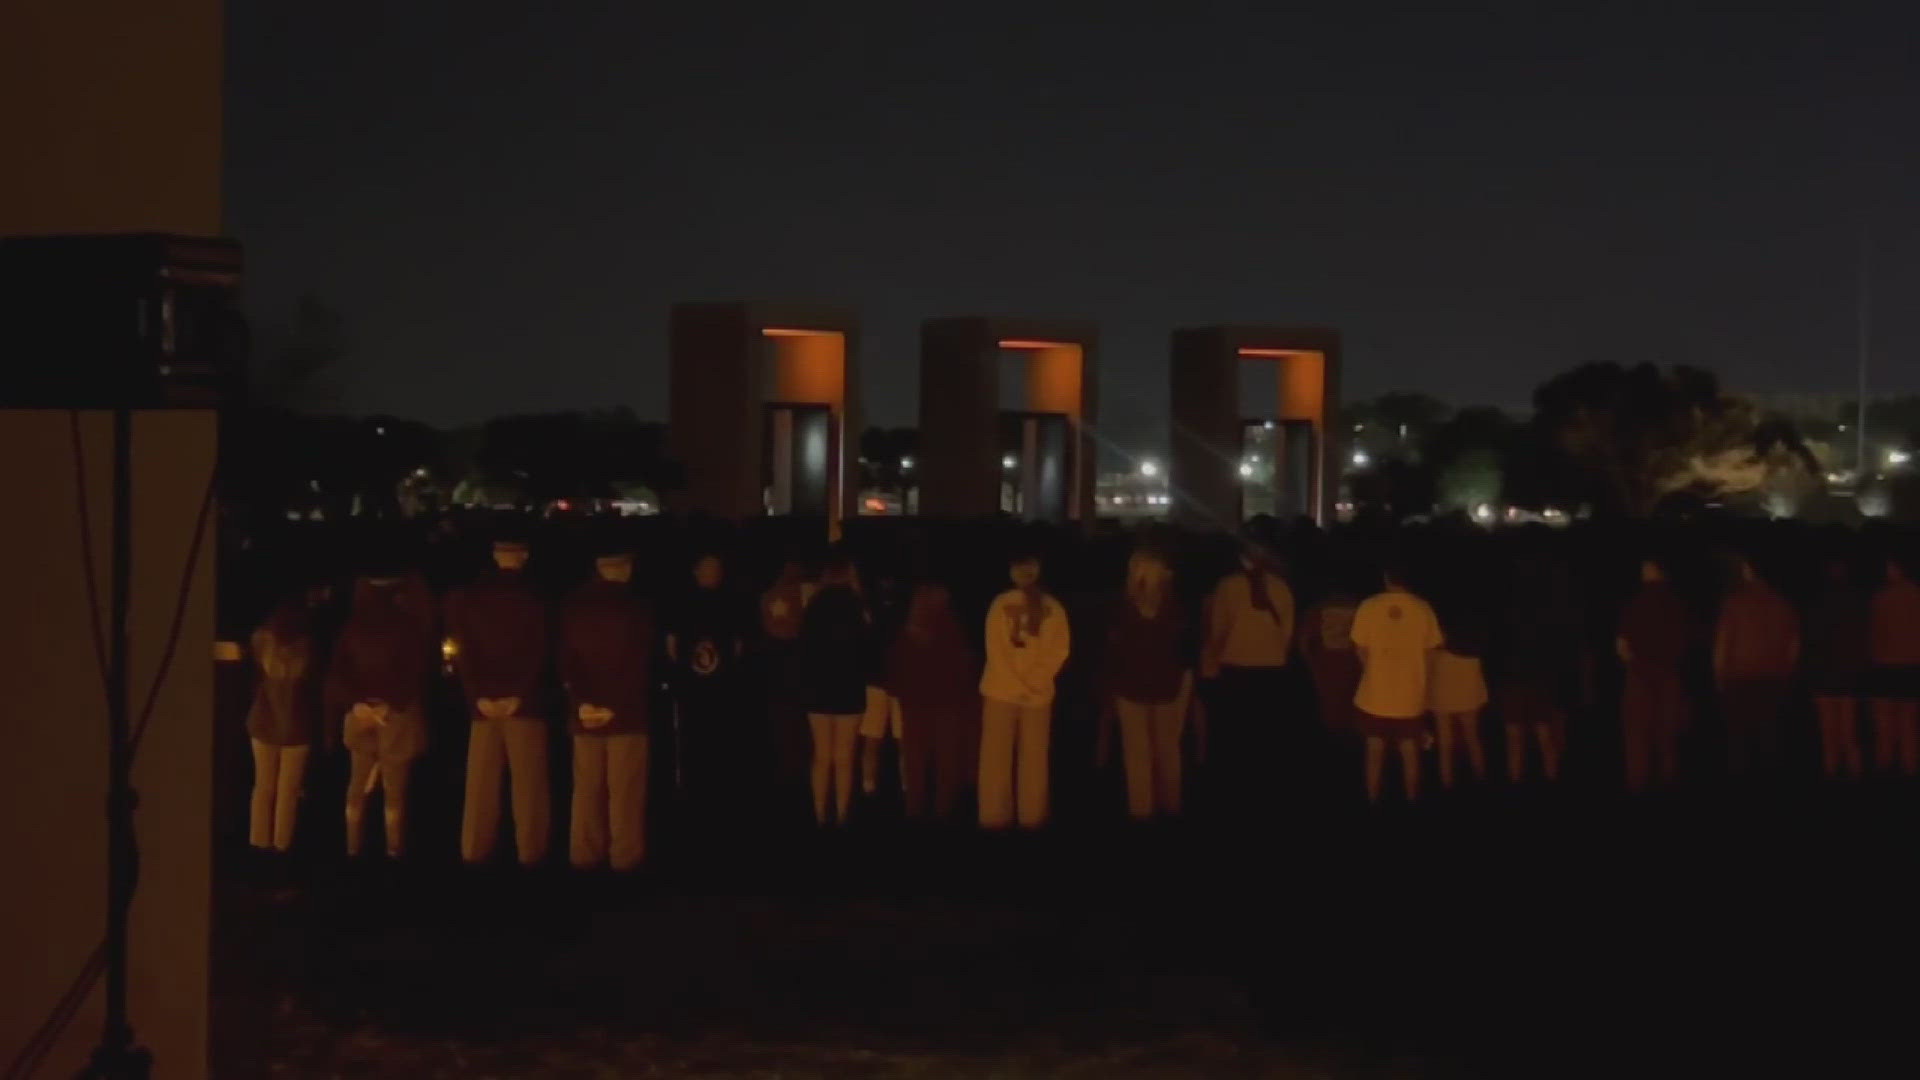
<point>139,321</point>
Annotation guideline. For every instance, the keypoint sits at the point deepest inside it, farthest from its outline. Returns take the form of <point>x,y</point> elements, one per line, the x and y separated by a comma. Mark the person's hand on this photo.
<point>593,717</point>
<point>503,708</point>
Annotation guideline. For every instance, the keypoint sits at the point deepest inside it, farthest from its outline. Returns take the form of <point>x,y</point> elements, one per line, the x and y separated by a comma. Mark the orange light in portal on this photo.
<point>789,331</point>
<point>1270,354</point>
<point>1027,343</point>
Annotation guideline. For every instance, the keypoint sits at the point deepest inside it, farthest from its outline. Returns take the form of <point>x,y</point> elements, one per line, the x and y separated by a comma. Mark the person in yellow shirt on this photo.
<point>1396,634</point>
<point>1027,643</point>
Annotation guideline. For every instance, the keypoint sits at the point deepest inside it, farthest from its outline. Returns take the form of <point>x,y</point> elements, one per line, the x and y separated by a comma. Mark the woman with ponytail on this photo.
<point>1249,636</point>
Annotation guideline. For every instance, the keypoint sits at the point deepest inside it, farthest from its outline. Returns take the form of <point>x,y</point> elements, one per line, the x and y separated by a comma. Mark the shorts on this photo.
<point>1388,727</point>
<point>882,715</point>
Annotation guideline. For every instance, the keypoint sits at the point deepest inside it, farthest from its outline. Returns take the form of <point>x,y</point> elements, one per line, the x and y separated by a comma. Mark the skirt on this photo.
<point>1455,684</point>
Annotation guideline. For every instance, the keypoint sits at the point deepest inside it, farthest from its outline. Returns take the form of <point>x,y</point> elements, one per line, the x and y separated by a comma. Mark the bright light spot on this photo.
<point>1898,457</point>
<point>1836,478</point>
<point>1255,458</point>
<point>421,472</point>
<point>877,506</point>
<point>1246,471</point>
<point>1360,459</point>
<point>1358,428</point>
<point>562,505</point>
<point>1843,427</point>
<point>379,429</point>
<point>1149,467</point>
<point>1483,512</point>
<point>906,464</point>
<point>1007,461</point>
<point>1269,425</point>
<point>449,649</point>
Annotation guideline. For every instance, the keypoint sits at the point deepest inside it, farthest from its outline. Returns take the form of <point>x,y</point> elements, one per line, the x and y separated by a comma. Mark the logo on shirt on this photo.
<point>706,659</point>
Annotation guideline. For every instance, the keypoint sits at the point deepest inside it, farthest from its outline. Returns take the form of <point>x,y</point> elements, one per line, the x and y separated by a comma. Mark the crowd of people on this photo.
<point>1293,662</point>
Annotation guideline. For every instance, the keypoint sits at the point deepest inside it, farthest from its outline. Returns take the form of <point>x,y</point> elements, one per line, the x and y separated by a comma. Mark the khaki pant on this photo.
<point>520,748</point>
<point>609,801</point>
<point>382,756</point>
<point>277,774</point>
<point>1013,759</point>
<point>1150,751</point>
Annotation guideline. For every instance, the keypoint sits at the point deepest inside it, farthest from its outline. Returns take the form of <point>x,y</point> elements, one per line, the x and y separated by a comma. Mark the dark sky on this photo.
<point>504,206</point>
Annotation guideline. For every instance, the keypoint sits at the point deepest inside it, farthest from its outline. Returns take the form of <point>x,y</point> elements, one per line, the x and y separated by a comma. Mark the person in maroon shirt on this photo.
<point>1756,650</point>
<point>934,680</point>
<point>607,643</point>
<point>1149,675</point>
<point>497,638</point>
<point>377,684</point>
<point>1653,641</point>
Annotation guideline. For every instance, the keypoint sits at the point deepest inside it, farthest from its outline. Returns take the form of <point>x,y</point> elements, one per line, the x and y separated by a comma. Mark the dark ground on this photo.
<point>1514,933</point>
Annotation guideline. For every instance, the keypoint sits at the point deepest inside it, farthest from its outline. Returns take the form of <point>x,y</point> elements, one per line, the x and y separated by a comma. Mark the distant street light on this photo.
<point>1008,462</point>
<point>1149,468</point>
<point>906,464</point>
<point>1246,471</point>
<point>1360,459</point>
<point>1898,457</point>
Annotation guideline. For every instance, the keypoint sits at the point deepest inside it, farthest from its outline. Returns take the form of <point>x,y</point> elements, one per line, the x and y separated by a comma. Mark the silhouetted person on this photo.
<point>1756,650</point>
<point>1150,677</point>
<point>284,720</point>
<point>1538,662</point>
<point>500,634</point>
<point>781,609</point>
<point>1027,642</point>
<point>719,748</point>
<point>1456,681</point>
<point>1895,646</point>
<point>934,678</point>
<point>885,608</point>
<point>834,663</point>
<point>1326,643</point>
<point>1834,662</point>
<point>1652,643</point>
<point>1248,641</point>
<point>607,643</point>
<point>1396,633</point>
<point>377,685</point>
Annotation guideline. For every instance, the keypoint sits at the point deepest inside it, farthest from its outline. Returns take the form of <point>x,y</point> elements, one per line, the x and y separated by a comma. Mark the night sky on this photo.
<point>503,207</point>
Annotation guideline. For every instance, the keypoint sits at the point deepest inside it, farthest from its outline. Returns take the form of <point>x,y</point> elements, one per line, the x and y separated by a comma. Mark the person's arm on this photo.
<point>1283,614</point>
<point>1622,649</point>
<point>998,649</point>
<point>1055,644</point>
<point>1213,631</point>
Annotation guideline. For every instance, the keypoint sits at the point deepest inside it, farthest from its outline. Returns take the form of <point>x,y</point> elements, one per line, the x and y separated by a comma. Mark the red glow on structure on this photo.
<point>562,505</point>
<point>1270,354</point>
<point>1028,343</point>
<point>789,331</point>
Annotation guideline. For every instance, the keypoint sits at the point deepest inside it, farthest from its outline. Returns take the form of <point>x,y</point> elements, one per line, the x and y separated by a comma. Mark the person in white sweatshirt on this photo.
<point>1027,643</point>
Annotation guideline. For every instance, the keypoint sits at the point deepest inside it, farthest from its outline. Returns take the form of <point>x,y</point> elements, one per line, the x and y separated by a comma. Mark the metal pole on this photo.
<point>117,1057</point>
<point>1862,338</point>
